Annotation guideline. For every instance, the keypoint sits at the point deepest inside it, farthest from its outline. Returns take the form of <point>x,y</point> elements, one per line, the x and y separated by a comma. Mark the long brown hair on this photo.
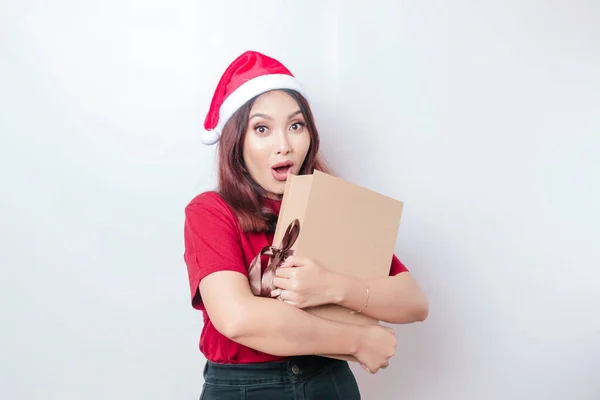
<point>237,187</point>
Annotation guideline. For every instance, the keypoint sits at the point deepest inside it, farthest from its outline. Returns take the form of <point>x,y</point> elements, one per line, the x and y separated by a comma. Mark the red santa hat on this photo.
<point>249,75</point>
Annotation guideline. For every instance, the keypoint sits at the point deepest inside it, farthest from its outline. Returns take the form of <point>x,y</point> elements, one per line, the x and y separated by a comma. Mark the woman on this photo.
<point>256,347</point>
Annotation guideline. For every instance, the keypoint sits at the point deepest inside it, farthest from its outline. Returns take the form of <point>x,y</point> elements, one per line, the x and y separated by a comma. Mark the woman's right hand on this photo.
<point>376,345</point>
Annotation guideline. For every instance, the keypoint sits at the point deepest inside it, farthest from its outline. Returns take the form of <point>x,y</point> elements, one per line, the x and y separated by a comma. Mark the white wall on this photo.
<point>483,118</point>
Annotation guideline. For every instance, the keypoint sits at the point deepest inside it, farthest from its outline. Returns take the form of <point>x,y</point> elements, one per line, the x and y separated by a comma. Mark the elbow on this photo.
<point>230,330</point>
<point>416,311</point>
<point>234,326</point>
<point>420,308</point>
<point>421,311</point>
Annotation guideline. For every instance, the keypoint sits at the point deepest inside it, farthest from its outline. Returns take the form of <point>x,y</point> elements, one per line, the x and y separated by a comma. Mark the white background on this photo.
<point>483,117</point>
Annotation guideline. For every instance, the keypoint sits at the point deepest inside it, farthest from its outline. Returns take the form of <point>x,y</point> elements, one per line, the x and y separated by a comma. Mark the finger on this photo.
<point>284,272</point>
<point>282,283</point>
<point>275,293</point>
<point>293,261</point>
<point>288,273</point>
<point>370,371</point>
<point>289,297</point>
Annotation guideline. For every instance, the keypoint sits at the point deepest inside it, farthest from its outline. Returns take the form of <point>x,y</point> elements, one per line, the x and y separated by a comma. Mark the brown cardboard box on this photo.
<point>343,227</point>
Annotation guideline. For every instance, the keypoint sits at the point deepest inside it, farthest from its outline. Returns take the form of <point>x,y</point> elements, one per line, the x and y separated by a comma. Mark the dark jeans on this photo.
<point>298,378</point>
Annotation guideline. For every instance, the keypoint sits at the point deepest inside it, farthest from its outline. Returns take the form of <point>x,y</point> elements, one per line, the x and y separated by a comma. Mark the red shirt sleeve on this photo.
<point>212,241</point>
<point>397,266</point>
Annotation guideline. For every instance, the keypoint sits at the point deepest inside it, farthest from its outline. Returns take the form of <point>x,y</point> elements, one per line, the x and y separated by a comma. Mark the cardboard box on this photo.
<point>343,227</point>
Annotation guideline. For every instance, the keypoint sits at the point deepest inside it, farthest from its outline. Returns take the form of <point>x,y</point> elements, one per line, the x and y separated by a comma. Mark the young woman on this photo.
<point>258,347</point>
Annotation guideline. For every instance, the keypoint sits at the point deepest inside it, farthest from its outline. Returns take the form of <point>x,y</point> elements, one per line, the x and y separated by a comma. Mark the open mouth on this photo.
<point>281,170</point>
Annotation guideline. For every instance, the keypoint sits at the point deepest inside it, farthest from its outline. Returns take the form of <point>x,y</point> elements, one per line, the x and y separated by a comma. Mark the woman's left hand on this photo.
<point>303,283</point>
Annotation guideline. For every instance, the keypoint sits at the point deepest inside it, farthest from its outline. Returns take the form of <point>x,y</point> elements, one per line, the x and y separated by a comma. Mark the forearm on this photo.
<point>396,299</point>
<point>280,329</point>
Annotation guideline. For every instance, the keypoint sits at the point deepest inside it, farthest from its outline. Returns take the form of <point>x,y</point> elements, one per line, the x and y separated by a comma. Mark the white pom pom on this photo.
<point>209,137</point>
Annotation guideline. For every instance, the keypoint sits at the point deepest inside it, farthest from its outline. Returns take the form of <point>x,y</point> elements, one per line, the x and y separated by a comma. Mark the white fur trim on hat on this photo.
<point>245,92</point>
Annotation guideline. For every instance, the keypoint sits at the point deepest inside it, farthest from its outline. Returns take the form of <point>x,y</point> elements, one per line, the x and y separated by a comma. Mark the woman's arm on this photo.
<point>395,299</point>
<point>219,283</point>
<point>277,328</point>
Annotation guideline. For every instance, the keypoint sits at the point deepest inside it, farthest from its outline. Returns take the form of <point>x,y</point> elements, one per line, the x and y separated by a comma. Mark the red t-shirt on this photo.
<point>214,242</point>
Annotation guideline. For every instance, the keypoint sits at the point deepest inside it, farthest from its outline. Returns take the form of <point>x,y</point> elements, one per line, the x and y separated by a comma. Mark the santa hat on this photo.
<point>249,75</point>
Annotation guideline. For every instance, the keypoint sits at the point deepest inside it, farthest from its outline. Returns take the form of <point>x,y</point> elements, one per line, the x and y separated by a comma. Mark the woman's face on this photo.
<point>276,141</point>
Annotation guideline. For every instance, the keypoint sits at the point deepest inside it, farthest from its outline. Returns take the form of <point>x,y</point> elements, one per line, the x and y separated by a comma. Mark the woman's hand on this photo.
<point>303,283</point>
<point>376,347</point>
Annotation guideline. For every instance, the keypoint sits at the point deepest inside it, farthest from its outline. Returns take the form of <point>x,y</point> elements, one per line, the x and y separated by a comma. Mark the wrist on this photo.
<point>356,338</point>
<point>351,293</point>
<point>341,289</point>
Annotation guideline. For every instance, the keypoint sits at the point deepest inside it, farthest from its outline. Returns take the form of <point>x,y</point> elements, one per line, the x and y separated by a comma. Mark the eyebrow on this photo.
<point>292,115</point>
<point>265,116</point>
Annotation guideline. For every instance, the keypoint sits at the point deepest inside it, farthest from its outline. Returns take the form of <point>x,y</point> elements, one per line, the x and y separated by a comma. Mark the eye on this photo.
<point>298,126</point>
<point>261,129</point>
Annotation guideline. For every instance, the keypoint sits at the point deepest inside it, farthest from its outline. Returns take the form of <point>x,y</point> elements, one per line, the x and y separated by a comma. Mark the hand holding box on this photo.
<point>343,227</point>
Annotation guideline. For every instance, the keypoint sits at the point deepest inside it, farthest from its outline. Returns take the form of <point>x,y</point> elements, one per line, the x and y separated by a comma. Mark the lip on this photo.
<point>282,176</point>
<point>286,163</point>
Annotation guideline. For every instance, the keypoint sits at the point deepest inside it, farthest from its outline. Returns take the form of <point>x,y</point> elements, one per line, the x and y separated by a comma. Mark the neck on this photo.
<point>273,196</point>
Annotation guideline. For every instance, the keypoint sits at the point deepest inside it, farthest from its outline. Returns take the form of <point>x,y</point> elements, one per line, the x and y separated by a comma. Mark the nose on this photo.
<point>282,146</point>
